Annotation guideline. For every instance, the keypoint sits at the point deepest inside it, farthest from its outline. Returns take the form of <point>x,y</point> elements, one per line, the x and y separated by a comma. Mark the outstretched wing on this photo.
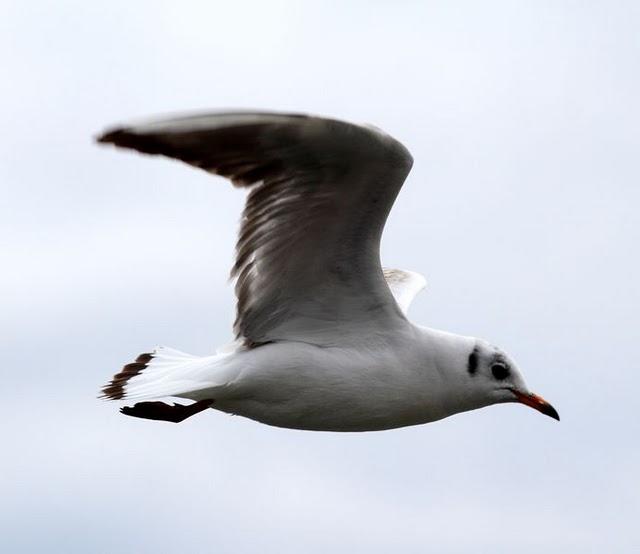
<point>404,285</point>
<point>307,261</point>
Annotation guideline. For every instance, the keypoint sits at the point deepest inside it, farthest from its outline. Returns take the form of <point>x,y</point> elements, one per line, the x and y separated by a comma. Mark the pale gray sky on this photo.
<point>521,210</point>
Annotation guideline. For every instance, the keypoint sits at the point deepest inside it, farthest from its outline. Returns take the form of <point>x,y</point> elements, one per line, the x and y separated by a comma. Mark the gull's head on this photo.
<point>494,376</point>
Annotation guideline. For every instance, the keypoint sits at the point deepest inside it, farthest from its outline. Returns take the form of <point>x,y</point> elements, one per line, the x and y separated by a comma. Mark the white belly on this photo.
<point>301,386</point>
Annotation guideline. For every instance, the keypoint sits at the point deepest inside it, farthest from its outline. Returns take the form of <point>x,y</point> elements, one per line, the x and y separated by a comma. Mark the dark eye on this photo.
<point>500,371</point>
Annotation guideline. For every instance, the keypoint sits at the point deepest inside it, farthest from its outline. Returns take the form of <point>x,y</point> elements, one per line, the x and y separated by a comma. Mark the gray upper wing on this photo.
<point>307,261</point>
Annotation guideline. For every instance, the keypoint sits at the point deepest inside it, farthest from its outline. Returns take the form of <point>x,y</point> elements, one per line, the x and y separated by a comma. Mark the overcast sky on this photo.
<point>521,210</point>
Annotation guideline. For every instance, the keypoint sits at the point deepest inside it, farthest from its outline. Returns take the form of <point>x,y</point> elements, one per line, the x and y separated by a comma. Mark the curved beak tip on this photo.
<point>537,403</point>
<point>551,412</point>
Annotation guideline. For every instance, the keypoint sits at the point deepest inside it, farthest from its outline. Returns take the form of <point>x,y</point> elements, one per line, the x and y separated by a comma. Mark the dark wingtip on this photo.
<point>145,143</point>
<point>109,137</point>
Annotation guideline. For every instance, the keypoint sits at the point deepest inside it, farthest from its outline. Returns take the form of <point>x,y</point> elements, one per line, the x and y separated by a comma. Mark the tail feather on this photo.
<point>162,372</point>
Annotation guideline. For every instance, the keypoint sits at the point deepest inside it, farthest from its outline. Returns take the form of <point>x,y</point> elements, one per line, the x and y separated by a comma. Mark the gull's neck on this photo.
<point>448,351</point>
<point>444,366</point>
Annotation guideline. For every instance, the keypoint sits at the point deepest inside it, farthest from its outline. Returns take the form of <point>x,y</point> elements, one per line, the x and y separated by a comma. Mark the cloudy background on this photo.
<point>521,210</point>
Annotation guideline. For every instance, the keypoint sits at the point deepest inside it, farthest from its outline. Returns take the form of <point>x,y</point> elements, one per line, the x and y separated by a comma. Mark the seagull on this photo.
<point>322,337</point>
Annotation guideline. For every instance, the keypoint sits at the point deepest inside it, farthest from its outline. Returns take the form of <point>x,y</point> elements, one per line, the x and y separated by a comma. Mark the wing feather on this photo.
<point>404,285</point>
<point>307,259</point>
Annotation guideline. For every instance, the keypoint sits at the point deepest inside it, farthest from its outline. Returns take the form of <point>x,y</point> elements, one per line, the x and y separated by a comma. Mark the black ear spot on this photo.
<point>500,371</point>
<point>472,362</point>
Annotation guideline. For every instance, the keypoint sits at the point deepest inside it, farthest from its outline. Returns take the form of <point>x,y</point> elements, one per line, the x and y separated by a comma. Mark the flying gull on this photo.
<point>323,341</point>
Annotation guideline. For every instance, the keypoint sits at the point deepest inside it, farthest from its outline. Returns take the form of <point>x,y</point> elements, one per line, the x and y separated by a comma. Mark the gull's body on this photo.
<point>323,339</point>
<point>391,381</point>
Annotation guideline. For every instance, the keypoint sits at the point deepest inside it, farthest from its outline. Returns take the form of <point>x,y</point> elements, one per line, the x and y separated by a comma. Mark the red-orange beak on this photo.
<point>537,403</point>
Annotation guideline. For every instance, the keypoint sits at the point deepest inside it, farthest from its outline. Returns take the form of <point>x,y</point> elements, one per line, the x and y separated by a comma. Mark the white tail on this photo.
<point>162,372</point>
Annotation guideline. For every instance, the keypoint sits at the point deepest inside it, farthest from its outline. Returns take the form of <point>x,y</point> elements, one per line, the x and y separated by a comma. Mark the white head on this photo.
<point>494,378</point>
